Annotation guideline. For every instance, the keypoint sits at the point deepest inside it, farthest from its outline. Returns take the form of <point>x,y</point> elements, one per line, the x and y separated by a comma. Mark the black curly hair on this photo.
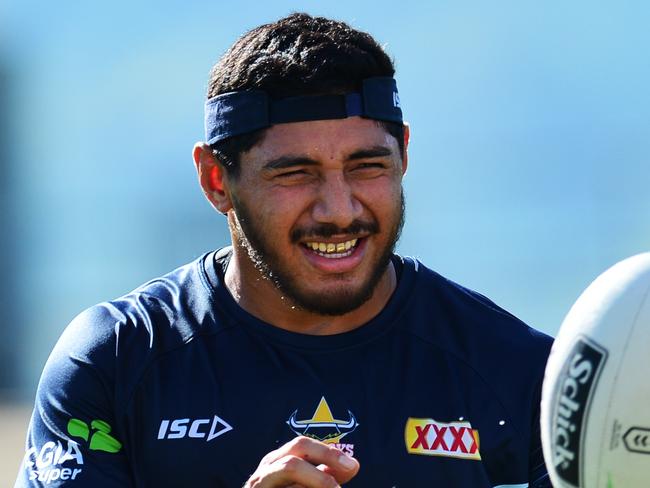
<point>297,55</point>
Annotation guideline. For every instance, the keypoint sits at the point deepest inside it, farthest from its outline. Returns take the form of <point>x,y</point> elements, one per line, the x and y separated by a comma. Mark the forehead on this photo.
<point>321,139</point>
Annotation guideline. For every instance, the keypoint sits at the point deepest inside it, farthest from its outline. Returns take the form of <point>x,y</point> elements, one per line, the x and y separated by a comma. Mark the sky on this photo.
<point>528,163</point>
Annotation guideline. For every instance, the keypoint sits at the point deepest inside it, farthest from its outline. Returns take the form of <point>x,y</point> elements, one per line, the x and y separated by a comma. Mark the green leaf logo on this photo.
<point>100,440</point>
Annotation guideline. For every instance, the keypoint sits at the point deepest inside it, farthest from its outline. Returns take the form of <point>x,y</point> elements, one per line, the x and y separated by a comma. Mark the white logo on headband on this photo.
<point>396,100</point>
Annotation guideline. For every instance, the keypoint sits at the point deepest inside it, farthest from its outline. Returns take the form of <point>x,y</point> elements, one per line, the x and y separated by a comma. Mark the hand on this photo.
<point>304,462</point>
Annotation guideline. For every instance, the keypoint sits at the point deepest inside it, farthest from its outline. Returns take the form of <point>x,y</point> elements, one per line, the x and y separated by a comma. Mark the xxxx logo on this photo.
<point>99,434</point>
<point>433,438</point>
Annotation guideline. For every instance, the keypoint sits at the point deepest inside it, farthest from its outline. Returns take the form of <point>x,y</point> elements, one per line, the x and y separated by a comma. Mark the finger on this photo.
<point>316,452</point>
<point>296,446</point>
<point>337,464</point>
<point>294,471</point>
<point>342,475</point>
<point>331,460</point>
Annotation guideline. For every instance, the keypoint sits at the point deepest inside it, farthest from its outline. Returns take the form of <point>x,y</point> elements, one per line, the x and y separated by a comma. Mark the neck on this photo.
<point>261,298</point>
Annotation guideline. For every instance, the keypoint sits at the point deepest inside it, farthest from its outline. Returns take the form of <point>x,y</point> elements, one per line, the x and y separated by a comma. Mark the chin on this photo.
<point>338,300</point>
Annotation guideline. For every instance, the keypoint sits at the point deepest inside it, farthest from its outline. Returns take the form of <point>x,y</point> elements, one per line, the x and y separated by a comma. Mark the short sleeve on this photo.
<point>72,439</point>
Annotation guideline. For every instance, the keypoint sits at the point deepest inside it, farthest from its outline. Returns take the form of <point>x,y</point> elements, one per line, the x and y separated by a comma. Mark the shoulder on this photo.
<point>96,366</point>
<point>164,311</point>
<point>118,339</point>
<point>477,335</point>
<point>461,319</point>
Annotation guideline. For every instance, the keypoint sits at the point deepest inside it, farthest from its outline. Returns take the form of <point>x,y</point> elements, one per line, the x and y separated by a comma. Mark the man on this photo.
<point>307,354</point>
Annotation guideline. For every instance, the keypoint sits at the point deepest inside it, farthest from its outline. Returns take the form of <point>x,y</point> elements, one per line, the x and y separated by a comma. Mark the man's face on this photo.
<point>319,207</point>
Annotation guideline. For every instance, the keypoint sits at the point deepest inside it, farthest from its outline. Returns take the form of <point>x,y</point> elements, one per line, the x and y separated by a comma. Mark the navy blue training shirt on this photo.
<point>175,385</point>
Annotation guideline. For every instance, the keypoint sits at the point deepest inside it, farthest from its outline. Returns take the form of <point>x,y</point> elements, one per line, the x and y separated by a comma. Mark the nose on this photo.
<point>336,203</point>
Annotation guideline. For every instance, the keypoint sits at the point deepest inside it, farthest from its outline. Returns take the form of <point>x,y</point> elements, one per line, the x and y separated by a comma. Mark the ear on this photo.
<point>212,177</point>
<point>407,138</point>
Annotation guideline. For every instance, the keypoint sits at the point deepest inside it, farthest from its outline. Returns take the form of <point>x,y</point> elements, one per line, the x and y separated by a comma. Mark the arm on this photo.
<point>72,438</point>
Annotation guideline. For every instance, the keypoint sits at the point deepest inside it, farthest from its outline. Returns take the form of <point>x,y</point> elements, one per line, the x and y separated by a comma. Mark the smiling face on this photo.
<point>318,207</point>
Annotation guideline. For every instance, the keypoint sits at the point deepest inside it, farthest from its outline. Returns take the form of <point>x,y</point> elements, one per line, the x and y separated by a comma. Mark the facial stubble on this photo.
<point>268,263</point>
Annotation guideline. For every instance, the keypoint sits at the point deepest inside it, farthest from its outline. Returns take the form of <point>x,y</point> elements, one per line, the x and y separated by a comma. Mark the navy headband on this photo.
<point>235,113</point>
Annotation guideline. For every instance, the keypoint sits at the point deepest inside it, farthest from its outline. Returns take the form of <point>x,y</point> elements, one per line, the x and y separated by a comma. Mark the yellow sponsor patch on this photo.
<point>432,438</point>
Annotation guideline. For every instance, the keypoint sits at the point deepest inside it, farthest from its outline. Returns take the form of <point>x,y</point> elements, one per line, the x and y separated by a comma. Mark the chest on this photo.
<point>205,417</point>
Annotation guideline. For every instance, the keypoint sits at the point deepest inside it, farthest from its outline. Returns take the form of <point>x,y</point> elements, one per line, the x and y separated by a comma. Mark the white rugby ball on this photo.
<point>595,412</point>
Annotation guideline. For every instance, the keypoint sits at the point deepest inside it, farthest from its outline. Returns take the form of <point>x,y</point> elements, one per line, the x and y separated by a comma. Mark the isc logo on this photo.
<point>207,429</point>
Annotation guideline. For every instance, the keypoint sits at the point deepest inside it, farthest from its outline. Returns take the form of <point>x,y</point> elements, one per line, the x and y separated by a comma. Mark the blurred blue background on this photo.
<point>528,174</point>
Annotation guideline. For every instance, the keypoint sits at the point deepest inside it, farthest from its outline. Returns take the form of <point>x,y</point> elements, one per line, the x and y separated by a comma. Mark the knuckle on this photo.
<point>253,482</point>
<point>329,481</point>
<point>333,454</point>
<point>267,459</point>
<point>300,442</point>
<point>291,464</point>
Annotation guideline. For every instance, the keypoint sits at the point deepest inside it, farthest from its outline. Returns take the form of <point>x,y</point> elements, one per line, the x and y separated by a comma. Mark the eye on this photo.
<point>293,176</point>
<point>369,168</point>
<point>289,174</point>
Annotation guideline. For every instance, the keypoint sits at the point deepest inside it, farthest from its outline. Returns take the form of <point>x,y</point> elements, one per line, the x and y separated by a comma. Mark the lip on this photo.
<point>336,265</point>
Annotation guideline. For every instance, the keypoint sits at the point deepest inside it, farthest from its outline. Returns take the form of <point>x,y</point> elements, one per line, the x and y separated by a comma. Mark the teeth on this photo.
<point>331,247</point>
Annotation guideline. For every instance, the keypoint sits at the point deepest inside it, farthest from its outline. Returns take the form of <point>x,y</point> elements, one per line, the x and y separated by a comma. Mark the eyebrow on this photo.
<point>284,162</point>
<point>371,152</point>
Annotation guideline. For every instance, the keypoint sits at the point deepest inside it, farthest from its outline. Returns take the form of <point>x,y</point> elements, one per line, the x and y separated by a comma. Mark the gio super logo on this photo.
<point>324,427</point>
<point>576,383</point>
<point>432,438</point>
<point>63,461</point>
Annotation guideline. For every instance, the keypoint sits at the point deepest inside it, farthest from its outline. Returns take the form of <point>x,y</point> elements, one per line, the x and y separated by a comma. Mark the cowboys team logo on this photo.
<point>324,427</point>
